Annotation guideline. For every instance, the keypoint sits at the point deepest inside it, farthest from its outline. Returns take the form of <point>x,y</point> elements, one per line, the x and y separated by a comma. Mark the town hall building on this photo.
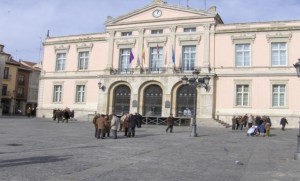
<point>138,63</point>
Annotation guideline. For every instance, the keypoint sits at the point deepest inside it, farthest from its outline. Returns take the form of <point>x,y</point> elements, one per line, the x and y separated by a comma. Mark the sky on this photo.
<point>24,23</point>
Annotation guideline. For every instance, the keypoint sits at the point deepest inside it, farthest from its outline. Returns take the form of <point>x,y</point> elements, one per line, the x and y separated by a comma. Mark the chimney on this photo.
<point>1,48</point>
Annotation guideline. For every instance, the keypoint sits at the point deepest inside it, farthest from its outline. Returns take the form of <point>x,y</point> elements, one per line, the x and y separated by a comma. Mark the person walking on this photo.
<point>170,122</point>
<point>283,122</point>
<point>233,123</point>
<point>115,121</point>
<point>131,125</point>
<point>95,124</point>
<point>250,120</point>
<point>28,111</point>
<point>101,122</point>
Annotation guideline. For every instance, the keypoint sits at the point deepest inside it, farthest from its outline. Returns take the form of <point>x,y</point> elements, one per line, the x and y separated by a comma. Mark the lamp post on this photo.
<point>195,82</point>
<point>297,154</point>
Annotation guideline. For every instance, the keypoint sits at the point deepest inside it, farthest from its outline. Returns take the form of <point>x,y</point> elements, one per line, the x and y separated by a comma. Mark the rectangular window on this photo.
<point>21,79</point>
<point>126,33</point>
<point>80,91</point>
<point>83,60</point>
<point>156,59</point>
<point>156,32</point>
<point>189,57</point>
<point>279,54</point>
<point>278,95</point>
<point>20,92</point>
<point>4,90</point>
<point>242,55</point>
<point>125,60</point>
<point>189,29</point>
<point>6,73</point>
<point>57,93</point>
<point>60,61</point>
<point>242,95</point>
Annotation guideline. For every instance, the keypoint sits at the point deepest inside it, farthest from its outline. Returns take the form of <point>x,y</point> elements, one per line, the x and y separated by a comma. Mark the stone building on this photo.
<point>136,65</point>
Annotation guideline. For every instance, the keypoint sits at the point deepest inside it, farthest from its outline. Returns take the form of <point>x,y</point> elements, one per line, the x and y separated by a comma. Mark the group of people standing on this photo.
<point>30,112</point>
<point>62,115</point>
<point>104,124</point>
<point>258,126</point>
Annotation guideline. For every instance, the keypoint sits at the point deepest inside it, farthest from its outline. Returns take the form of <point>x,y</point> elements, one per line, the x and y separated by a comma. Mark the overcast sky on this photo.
<point>24,23</point>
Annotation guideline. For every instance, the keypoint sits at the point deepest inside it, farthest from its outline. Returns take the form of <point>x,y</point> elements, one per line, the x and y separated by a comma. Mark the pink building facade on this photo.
<point>142,56</point>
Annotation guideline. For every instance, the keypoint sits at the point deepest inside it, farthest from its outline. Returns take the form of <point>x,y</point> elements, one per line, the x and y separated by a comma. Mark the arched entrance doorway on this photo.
<point>121,100</point>
<point>185,101</point>
<point>153,101</point>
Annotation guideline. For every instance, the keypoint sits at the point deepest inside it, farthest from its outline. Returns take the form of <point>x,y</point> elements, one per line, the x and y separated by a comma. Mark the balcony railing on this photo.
<point>7,77</point>
<point>154,70</point>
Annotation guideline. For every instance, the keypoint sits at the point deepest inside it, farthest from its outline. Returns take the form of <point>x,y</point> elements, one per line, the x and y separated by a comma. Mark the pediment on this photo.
<point>171,13</point>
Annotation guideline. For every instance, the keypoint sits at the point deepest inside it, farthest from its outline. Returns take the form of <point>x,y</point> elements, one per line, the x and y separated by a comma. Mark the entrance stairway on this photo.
<point>213,123</point>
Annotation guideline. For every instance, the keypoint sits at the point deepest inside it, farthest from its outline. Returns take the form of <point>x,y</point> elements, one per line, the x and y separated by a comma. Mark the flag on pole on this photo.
<point>173,55</point>
<point>131,56</point>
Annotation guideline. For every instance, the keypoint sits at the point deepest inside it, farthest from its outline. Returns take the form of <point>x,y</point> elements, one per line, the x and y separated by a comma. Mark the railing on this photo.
<point>7,77</point>
<point>178,121</point>
<point>157,70</point>
<point>123,71</point>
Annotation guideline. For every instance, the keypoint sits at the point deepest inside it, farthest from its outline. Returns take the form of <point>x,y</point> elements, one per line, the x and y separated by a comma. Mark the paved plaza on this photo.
<point>33,149</point>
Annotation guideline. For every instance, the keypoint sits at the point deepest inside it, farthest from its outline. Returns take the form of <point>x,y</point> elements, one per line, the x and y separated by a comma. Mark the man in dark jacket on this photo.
<point>139,120</point>
<point>283,122</point>
<point>131,125</point>
<point>170,122</point>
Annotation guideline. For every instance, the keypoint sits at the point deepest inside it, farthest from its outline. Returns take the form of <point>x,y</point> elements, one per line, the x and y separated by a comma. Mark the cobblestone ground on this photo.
<point>41,149</point>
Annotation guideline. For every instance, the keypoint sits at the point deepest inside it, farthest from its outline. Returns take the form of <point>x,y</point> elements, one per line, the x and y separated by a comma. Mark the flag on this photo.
<point>173,55</point>
<point>143,55</point>
<point>131,56</point>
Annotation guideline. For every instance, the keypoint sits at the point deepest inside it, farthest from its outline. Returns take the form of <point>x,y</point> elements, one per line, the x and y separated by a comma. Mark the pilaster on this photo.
<point>109,65</point>
<point>206,52</point>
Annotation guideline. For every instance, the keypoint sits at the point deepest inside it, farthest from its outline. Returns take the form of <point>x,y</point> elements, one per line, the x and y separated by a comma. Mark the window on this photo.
<point>156,32</point>
<point>242,95</point>
<point>57,93</point>
<point>156,58</point>
<point>242,55</point>
<point>60,61</point>
<point>80,91</point>
<point>21,79</point>
<point>278,95</point>
<point>83,60</point>
<point>279,54</point>
<point>189,56</point>
<point>6,73</point>
<point>20,92</point>
<point>4,90</point>
<point>126,33</point>
<point>125,60</point>
<point>189,29</point>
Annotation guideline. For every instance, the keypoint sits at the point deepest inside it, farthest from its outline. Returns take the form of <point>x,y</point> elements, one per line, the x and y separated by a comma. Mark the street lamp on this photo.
<point>297,154</point>
<point>195,82</point>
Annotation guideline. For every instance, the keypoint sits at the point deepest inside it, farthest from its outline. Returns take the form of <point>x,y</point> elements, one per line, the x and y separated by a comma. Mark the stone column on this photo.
<point>109,65</point>
<point>138,69</point>
<point>206,52</point>
<point>172,45</point>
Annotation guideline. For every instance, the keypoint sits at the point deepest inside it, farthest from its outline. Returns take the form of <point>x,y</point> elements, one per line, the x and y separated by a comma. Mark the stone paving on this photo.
<point>33,149</point>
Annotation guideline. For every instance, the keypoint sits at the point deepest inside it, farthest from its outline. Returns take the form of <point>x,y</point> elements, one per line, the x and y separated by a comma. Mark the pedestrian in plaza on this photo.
<point>250,120</point>
<point>101,122</point>
<point>115,121</point>
<point>107,125</point>
<point>95,124</point>
<point>139,119</point>
<point>125,124</point>
<point>283,122</point>
<point>28,111</point>
<point>122,119</point>
<point>66,114</point>
<point>268,128</point>
<point>233,120</point>
<point>170,122</point>
<point>131,125</point>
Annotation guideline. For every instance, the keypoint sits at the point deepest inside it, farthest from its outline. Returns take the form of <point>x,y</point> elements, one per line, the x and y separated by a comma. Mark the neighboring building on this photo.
<point>250,66</point>
<point>10,86</point>
<point>33,85</point>
<point>3,58</point>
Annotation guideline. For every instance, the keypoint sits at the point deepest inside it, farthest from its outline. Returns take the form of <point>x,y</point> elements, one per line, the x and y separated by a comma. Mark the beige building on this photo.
<point>137,64</point>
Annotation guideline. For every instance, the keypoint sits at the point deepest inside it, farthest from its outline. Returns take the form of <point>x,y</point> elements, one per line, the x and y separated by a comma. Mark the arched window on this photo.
<point>121,100</point>
<point>153,101</point>
<point>185,101</point>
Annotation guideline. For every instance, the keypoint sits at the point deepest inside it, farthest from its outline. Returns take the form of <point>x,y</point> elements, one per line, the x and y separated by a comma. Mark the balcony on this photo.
<point>7,77</point>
